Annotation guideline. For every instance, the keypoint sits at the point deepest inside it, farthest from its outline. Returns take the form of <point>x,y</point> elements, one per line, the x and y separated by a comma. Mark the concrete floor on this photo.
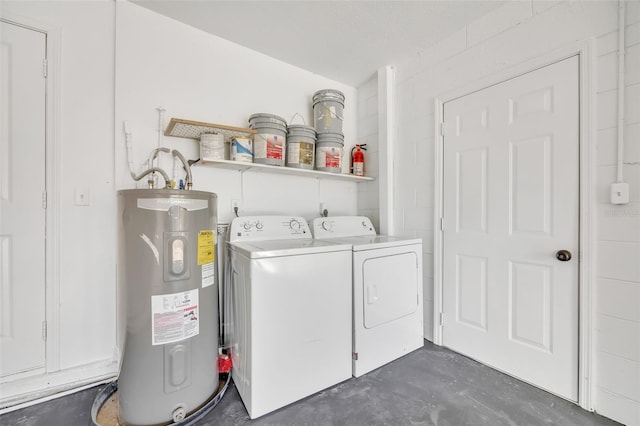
<point>431,386</point>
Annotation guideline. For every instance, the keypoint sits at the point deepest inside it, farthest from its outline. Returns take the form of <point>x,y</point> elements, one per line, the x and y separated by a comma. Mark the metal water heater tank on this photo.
<point>168,304</point>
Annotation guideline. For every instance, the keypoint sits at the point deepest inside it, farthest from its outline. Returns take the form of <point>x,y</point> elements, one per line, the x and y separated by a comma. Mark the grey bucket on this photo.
<point>301,141</point>
<point>328,109</point>
<point>270,141</point>
<point>329,152</point>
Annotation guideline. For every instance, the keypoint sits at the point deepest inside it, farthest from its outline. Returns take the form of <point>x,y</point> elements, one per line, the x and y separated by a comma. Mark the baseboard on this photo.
<point>36,389</point>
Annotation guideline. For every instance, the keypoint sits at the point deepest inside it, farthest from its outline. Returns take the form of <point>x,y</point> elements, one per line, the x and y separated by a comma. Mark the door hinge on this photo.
<point>45,68</point>
<point>441,318</point>
<point>44,199</point>
<point>44,330</point>
<point>354,355</point>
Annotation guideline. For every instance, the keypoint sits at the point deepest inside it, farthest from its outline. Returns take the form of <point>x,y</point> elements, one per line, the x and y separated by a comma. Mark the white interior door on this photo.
<point>510,205</point>
<point>22,213</point>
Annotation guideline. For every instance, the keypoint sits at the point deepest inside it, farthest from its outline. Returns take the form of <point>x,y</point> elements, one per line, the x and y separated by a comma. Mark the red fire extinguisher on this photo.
<point>357,159</point>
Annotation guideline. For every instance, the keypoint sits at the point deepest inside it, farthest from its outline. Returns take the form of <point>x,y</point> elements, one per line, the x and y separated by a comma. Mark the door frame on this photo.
<point>52,184</point>
<point>585,52</point>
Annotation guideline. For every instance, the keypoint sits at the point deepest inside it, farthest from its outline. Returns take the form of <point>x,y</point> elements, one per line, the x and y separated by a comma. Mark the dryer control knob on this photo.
<point>294,224</point>
<point>246,226</point>
<point>259,225</point>
<point>326,225</point>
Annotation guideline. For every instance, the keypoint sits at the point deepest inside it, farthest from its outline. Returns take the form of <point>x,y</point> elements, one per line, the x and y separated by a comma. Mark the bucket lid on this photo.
<point>266,118</point>
<point>331,137</point>
<point>301,128</point>
<point>328,93</point>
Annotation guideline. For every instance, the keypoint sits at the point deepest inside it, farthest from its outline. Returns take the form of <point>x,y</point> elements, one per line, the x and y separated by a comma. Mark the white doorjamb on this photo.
<point>587,235</point>
<point>52,176</point>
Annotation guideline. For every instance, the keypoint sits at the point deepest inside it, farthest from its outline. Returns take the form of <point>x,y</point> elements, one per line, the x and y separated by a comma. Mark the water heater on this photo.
<point>168,309</point>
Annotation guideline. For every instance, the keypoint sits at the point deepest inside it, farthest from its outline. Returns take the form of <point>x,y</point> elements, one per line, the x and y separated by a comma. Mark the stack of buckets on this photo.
<point>328,107</point>
<point>320,147</point>
<point>270,140</point>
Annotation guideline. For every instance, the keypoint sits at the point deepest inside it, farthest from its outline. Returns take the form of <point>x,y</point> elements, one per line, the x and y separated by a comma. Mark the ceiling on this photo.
<point>346,41</point>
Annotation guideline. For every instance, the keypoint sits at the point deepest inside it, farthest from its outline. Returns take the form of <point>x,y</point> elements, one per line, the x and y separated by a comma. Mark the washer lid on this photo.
<point>372,242</point>
<point>279,248</point>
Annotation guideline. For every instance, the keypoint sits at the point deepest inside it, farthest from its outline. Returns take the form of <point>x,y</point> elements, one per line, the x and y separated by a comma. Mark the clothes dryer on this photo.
<point>387,290</point>
<point>290,307</point>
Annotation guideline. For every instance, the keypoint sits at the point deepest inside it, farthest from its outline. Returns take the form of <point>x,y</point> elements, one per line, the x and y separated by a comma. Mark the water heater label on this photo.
<point>174,317</point>
<point>206,247</point>
<point>208,274</point>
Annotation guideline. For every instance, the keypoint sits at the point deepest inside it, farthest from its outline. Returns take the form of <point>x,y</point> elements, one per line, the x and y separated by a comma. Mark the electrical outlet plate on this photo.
<point>620,193</point>
<point>323,206</point>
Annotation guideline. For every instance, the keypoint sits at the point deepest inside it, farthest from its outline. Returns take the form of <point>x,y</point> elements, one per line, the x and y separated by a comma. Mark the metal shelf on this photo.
<point>265,168</point>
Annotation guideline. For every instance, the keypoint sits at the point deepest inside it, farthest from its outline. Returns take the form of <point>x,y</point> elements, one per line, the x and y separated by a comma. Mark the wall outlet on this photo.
<point>235,204</point>
<point>620,193</point>
<point>323,207</point>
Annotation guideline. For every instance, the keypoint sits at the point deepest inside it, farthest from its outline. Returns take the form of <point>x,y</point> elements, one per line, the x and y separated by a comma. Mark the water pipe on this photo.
<point>186,166</point>
<point>129,145</point>
<point>154,155</point>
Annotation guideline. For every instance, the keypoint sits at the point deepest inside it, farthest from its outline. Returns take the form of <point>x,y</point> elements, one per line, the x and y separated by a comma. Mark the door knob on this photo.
<point>563,255</point>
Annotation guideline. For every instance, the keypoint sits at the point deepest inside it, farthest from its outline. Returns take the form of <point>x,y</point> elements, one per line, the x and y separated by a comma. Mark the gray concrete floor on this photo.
<point>431,386</point>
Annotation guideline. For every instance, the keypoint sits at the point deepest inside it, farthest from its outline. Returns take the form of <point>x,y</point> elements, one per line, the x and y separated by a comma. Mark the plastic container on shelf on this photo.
<point>270,141</point>
<point>329,152</point>
<point>301,141</point>
<point>328,109</point>
<point>241,149</point>
<point>212,146</point>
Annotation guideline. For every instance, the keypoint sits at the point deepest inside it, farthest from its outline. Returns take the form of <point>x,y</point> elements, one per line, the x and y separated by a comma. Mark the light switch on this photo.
<point>82,196</point>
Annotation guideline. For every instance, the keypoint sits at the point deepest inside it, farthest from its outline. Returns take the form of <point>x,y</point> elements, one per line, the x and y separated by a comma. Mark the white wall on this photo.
<point>368,197</point>
<point>201,77</point>
<point>147,61</point>
<point>513,34</point>
<point>85,148</point>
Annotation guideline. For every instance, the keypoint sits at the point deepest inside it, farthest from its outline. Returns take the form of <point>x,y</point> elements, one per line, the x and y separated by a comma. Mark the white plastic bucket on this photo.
<point>241,149</point>
<point>211,146</point>
<point>328,109</point>
<point>330,152</point>
<point>270,141</point>
<point>301,141</point>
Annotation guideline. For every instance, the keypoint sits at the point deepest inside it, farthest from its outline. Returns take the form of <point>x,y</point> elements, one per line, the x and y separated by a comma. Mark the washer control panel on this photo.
<point>256,228</point>
<point>342,226</point>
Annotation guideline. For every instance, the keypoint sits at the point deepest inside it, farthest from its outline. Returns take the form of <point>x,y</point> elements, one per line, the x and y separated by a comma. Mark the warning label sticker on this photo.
<point>208,274</point>
<point>174,317</point>
<point>206,247</point>
<point>275,147</point>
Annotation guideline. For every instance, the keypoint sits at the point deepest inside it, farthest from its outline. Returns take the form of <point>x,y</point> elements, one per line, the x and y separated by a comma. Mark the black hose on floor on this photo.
<point>191,420</point>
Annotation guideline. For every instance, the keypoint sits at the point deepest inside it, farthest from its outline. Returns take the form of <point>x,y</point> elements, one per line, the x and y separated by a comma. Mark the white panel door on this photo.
<point>510,205</point>
<point>22,185</point>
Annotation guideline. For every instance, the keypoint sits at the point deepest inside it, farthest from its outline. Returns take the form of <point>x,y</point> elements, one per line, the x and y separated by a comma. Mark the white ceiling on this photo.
<point>346,41</point>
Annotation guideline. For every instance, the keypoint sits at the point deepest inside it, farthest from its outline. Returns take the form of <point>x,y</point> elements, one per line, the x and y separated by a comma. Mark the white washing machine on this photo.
<point>290,297</point>
<point>387,290</point>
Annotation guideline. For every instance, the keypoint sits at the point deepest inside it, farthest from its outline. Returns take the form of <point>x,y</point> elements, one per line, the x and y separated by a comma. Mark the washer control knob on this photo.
<point>326,225</point>
<point>259,225</point>
<point>246,226</point>
<point>294,224</point>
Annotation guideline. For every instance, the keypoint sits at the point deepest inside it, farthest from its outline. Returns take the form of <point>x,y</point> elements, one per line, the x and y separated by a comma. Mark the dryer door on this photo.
<point>390,287</point>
